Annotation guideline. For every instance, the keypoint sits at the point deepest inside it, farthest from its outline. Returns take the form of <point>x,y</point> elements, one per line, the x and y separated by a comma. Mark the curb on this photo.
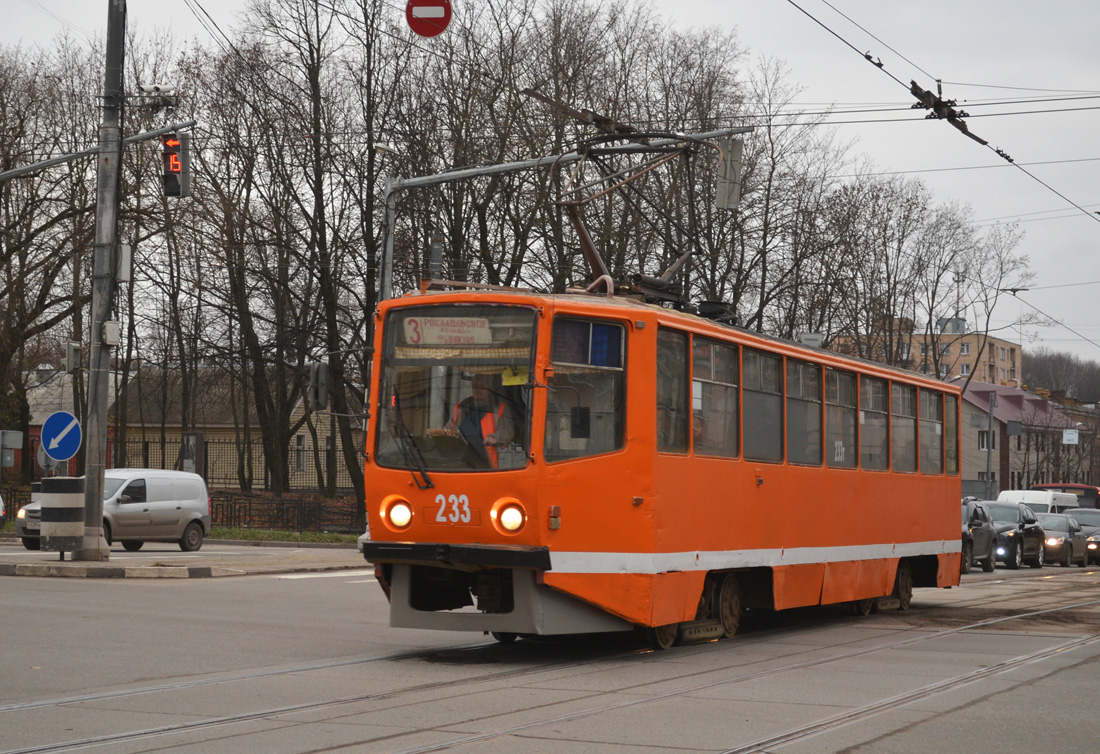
<point>81,571</point>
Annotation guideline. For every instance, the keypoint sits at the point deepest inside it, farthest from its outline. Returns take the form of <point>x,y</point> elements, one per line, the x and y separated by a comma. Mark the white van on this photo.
<point>139,506</point>
<point>1041,501</point>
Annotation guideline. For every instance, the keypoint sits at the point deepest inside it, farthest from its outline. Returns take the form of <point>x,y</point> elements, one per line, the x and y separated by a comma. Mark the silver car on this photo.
<point>139,506</point>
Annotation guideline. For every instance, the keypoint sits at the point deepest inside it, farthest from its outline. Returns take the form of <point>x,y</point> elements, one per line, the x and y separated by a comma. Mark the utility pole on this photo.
<point>990,487</point>
<point>104,337</point>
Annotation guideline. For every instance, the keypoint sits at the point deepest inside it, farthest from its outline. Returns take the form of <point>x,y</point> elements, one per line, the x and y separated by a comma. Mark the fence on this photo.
<point>227,464</point>
<point>237,510</point>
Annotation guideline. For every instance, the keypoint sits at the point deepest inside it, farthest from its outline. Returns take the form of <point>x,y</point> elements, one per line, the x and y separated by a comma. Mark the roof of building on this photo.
<point>1013,404</point>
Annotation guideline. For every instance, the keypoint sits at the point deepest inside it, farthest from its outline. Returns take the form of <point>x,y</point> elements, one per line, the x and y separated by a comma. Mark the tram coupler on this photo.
<point>696,631</point>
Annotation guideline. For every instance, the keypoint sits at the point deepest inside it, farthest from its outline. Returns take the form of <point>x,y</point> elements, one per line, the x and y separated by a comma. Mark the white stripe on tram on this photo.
<point>702,560</point>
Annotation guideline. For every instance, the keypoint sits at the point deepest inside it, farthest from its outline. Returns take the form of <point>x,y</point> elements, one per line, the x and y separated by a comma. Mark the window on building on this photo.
<point>762,406</point>
<point>714,398</point>
<point>923,349</point>
<point>931,432</point>
<point>673,416</point>
<point>874,434</point>
<point>984,436</point>
<point>1002,350</point>
<point>300,452</point>
<point>804,418</point>
<point>964,349</point>
<point>1002,375</point>
<point>840,419</point>
<point>964,369</point>
<point>904,352</point>
<point>903,427</point>
<point>945,349</point>
<point>991,477</point>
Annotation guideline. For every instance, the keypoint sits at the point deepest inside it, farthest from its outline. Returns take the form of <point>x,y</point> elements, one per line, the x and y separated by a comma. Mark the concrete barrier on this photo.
<point>62,514</point>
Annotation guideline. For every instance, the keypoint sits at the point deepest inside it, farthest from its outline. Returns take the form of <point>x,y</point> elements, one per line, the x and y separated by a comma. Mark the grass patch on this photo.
<point>268,535</point>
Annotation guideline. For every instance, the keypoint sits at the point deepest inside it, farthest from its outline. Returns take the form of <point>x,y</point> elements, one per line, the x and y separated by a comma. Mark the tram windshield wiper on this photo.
<point>411,452</point>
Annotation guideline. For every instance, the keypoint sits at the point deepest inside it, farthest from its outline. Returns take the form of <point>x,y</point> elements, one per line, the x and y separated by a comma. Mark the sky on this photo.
<point>1027,73</point>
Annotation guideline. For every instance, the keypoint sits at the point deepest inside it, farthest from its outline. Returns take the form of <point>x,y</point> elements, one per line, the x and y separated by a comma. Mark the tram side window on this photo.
<point>903,427</point>
<point>673,418</point>
<point>586,395</point>
<point>803,413</point>
<point>951,434</point>
<point>874,434</point>
<point>931,432</point>
<point>840,419</point>
<point>762,399</point>
<point>714,398</point>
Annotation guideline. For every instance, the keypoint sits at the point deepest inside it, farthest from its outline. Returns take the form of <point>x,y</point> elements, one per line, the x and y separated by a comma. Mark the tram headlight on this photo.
<point>508,515</point>
<point>396,512</point>
<point>511,518</point>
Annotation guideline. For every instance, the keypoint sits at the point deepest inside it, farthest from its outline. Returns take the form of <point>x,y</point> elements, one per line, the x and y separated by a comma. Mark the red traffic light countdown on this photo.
<point>428,17</point>
<point>177,164</point>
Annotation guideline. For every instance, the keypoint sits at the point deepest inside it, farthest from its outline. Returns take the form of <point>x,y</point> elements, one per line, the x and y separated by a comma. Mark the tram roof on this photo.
<point>694,321</point>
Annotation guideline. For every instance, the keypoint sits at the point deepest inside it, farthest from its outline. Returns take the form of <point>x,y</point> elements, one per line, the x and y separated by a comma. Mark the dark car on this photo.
<point>1089,518</point>
<point>1019,534</point>
<point>1065,542</point>
<point>979,537</point>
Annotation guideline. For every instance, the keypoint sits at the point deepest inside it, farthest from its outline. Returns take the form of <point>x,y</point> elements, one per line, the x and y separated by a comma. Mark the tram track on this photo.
<point>598,709</point>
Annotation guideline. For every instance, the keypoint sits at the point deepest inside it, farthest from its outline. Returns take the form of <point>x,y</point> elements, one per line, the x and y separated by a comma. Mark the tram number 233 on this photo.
<point>453,509</point>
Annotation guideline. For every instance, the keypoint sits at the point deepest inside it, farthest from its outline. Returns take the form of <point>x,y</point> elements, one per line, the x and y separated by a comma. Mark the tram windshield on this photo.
<point>456,388</point>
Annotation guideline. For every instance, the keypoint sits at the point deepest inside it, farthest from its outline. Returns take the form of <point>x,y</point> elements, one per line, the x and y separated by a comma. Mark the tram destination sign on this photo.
<point>447,331</point>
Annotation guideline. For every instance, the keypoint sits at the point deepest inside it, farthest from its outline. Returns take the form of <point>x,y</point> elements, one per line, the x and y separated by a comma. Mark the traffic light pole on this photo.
<point>104,283</point>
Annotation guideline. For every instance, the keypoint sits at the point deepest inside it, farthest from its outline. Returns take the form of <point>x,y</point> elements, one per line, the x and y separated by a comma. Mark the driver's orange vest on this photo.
<point>488,427</point>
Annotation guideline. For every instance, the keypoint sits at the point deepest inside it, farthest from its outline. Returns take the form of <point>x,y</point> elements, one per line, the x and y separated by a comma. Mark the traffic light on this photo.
<point>176,150</point>
<point>318,386</point>
<point>72,357</point>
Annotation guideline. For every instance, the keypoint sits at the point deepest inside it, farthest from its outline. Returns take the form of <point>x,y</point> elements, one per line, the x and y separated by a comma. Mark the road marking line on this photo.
<point>324,574</point>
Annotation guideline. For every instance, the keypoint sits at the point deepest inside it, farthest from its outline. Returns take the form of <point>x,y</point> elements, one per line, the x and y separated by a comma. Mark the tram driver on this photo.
<point>485,420</point>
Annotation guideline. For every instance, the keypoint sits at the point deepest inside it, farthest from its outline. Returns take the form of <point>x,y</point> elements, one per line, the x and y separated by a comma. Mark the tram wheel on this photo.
<point>729,605</point>
<point>903,585</point>
<point>662,637</point>
<point>863,607</point>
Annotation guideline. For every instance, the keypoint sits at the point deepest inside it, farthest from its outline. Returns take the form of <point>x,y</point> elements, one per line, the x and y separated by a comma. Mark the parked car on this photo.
<point>139,506</point>
<point>1019,534</point>
<point>979,537</point>
<point>1066,542</point>
<point>1089,518</point>
<point>1041,501</point>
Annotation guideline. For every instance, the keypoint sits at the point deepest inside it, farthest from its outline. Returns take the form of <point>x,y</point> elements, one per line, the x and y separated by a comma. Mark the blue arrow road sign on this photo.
<point>61,435</point>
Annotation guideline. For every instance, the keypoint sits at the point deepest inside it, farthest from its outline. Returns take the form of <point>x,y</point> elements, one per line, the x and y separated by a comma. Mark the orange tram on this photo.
<point>635,466</point>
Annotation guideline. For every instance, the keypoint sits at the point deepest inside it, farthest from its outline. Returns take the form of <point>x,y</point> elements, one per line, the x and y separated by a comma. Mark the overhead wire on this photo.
<point>1015,295</point>
<point>940,108</point>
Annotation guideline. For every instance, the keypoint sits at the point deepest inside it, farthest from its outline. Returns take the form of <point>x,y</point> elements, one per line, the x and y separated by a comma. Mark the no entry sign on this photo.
<point>428,17</point>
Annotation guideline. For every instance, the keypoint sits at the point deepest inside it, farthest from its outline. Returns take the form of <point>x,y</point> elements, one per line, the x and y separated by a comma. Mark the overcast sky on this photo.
<point>1028,73</point>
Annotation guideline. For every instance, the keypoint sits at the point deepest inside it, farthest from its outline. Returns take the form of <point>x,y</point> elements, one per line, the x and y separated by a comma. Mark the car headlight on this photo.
<point>1010,534</point>
<point>1055,541</point>
<point>1094,538</point>
<point>22,514</point>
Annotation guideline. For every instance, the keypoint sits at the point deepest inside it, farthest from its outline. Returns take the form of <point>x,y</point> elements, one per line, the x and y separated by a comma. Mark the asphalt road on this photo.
<point>305,662</point>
